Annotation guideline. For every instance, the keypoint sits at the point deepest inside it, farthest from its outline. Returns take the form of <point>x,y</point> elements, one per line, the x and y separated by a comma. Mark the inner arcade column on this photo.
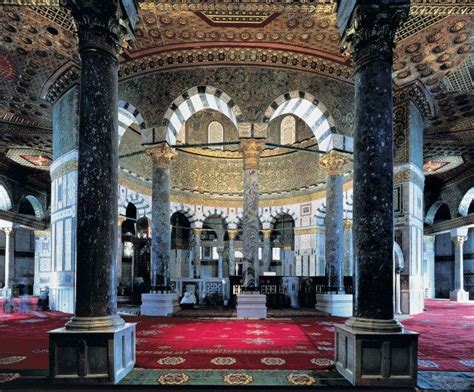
<point>334,301</point>
<point>232,233</point>
<point>372,348</point>
<point>267,251</point>
<point>161,301</point>
<point>348,249</point>
<point>458,236</point>
<point>250,303</point>
<point>96,343</point>
<point>197,233</point>
<point>9,259</point>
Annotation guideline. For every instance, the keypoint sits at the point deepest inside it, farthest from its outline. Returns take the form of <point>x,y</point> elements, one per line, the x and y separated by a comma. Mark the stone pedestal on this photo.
<point>159,304</point>
<point>383,359</point>
<point>339,305</point>
<point>251,306</point>
<point>459,296</point>
<point>91,356</point>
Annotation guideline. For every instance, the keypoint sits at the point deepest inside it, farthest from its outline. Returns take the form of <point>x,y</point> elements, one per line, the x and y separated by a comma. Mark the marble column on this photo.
<point>458,237</point>
<point>220,262</point>
<point>120,220</point>
<point>162,156</point>
<point>429,265</point>
<point>250,303</point>
<point>232,234</point>
<point>251,150</point>
<point>334,163</point>
<point>267,251</point>
<point>9,257</point>
<point>371,344</point>
<point>348,249</point>
<point>101,27</point>
<point>197,250</point>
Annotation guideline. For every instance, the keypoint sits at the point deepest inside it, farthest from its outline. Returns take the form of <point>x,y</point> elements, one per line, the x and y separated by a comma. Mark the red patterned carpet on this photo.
<point>446,342</point>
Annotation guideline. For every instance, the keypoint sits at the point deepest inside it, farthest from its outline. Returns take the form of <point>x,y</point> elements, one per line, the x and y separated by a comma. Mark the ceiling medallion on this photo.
<point>8,68</point>
<point>30,157</point>
<point>458,26</point>
<point>413,48</point>
<point>460,38</point>
<point>239,18</point>
<point>431,167</point>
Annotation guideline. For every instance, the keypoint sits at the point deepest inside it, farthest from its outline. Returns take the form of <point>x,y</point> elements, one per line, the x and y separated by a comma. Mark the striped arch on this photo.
<point>466,202</point>
<point>277,213</point>
<point>143,208</point>
<point>314,114</point>
<point>430,215</point>
<point>128,116</point>
<point>186,211</point>
<point>5,199</point>
<point>194,100</point>
<point>216,212</point>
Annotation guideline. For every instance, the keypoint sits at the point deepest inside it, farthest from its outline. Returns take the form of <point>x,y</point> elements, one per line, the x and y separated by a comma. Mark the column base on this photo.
<point>459,296</point>
<point>377,359</point>
<point>339,305</point>
<point>251,306</point>
<point>91,356</point>
<point>6,293</point>
<point>159,304</point>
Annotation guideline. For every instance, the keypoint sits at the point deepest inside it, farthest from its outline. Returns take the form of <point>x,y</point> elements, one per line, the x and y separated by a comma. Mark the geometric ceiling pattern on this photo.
<point>434,47</point>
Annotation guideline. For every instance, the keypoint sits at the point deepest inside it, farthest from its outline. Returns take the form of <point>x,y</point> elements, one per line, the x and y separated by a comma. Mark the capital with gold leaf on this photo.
<point>335,162</point>
<point>251,150</point>
<point>161,154</point>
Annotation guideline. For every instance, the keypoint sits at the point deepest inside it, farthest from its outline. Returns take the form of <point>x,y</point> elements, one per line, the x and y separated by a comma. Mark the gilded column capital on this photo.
<point>198,231</point>
<point>347,224</point>
<point>232,233</point>
<point>267,233</point>
<point>104,24</point>
<point>42,233</point>
<point>121,219</point>
<point>370,32</point>
<point>334,162</point>
<point>8,231</point>
<point>162,155</point>
<point>458,240</point>
<point>251,150</point>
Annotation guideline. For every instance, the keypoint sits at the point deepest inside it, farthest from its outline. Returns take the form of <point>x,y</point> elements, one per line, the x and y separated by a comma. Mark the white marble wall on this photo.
<point>63,232</point>
<point>408,219</point>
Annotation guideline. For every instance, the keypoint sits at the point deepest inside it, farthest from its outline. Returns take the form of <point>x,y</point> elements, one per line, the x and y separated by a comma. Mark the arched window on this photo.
<point>288,130</point>
<point>215,134</point>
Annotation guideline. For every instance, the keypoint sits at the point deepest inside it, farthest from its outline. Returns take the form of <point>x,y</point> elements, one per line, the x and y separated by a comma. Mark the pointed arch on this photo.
<point>186,211</point>
<point>313,112</point>
<point>194,100</point>
<point>35,205</point>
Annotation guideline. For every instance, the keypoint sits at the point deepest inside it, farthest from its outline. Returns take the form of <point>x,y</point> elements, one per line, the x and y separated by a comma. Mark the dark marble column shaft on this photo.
<point>161,155</point>
<point>250,149</point>
<point>266,252</point>
<point>371,44</point>
<point>232,234</point>
<point>197,251</point>
<point>96,291</point>
<point>334,233</point>
<point>348,249</point>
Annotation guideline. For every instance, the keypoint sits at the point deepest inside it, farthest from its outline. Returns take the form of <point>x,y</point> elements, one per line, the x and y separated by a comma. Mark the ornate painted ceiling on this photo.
<point>38,57</point>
